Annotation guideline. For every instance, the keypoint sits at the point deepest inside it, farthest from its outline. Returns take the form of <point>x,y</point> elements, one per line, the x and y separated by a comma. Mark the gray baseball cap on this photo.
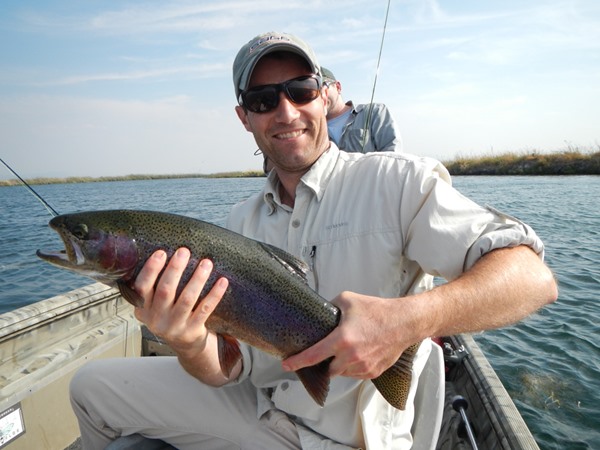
<point>327,74</point>
<point>249,54</point>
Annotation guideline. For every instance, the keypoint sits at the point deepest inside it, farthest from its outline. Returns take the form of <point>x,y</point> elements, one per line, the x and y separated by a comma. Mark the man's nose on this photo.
<point>287,111</point>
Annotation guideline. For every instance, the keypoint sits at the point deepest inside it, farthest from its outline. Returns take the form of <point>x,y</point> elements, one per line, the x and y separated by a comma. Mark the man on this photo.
<point>361,128</point>
<point>373,248</point>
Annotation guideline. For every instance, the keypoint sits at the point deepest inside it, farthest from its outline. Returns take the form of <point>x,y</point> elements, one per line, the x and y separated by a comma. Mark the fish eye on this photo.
<point>80,231</point>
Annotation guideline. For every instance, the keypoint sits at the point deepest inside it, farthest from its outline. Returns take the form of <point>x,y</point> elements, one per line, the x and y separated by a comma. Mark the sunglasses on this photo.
<point>265,98</point>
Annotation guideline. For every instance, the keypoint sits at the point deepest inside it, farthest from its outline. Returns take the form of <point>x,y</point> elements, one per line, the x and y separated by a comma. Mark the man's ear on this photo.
<point>241,113</point>
<point>324,97</point>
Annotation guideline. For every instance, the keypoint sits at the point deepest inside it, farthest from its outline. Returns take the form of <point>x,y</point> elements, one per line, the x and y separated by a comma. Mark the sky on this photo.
<point>109,88</point>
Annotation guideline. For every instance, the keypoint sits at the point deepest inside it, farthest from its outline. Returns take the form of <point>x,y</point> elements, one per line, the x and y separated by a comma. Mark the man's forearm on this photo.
<point>503,287</point>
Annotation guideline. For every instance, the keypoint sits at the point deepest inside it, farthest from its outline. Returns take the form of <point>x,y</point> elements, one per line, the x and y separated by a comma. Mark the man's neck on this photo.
<point>337,109</point>
<point>288,182</point>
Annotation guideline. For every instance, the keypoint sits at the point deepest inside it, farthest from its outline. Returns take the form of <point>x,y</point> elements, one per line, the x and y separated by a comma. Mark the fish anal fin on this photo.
<point>130,295</point>
<point>316,380</point>
<point>394,383</point>
<point>229,353</point>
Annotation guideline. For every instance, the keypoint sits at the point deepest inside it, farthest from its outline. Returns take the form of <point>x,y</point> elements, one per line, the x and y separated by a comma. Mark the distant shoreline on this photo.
<point>70,180</point>
<point>570,162</point>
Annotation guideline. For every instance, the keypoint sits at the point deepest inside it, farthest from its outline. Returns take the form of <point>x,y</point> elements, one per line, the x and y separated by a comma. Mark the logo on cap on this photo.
<point>266,40</point>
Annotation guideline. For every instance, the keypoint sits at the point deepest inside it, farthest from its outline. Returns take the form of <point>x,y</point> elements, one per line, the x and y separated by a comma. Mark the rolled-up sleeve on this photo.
<point>505,231</point>
<point>446,233</point>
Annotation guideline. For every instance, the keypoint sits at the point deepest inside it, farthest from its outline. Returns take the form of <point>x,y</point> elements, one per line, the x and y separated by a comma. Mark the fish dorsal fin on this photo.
<point>394,383</point>
<point>294,265</point>
<point>316,380</point>
<point>229,353</point>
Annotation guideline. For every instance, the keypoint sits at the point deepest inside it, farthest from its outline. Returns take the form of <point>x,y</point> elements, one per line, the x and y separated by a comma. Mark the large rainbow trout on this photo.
<point>268,303</point>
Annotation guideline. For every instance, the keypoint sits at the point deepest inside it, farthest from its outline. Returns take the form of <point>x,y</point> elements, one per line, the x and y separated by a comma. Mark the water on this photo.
<point>549,363</point>
<point>26,279</point>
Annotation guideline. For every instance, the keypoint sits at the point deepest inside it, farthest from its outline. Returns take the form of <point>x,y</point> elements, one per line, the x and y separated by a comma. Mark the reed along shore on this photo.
<point>571,162</point>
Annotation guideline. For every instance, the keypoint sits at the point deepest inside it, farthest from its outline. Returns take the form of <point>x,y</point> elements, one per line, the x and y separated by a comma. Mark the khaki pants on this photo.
<point>155,397</point>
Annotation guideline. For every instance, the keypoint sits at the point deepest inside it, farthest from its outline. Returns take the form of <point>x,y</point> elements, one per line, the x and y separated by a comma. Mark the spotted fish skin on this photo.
<point>268,303</point>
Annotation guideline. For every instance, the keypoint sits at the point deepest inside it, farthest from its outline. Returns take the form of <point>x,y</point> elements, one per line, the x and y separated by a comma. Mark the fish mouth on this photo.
<point>60,258</point>
<point>71,257</point>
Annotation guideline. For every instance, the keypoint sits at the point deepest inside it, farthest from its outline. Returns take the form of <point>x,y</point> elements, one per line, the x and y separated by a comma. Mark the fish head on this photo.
<point>94,246</point>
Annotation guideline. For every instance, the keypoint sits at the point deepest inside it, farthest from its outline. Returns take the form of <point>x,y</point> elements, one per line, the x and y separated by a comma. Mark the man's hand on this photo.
<point>177,320</point>
<point>368,340</point>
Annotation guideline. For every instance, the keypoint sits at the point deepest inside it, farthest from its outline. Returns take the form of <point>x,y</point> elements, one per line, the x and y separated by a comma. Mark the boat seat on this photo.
<point>429,402</point>
<point>138,442</point>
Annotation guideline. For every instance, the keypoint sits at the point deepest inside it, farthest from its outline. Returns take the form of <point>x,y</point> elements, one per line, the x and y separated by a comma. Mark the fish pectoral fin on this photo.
<point>294,265</point>
<point>394,383</point>
<point>316,380</point>
<point>130,295</point>
<point>229,353</point>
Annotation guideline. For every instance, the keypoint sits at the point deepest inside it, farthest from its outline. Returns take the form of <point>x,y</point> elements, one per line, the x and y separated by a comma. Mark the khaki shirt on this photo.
<point>380,224</point>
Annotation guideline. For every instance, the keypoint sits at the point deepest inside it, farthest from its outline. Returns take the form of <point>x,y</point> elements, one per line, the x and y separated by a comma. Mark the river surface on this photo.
<point>550,363</point>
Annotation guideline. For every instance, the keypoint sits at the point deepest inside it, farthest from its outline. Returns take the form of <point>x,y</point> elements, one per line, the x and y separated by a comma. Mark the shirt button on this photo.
<point>296,223</point>
<point>285,385</point>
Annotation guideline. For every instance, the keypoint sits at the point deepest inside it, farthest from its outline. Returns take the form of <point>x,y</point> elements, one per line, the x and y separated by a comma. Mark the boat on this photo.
<point>43,344</point>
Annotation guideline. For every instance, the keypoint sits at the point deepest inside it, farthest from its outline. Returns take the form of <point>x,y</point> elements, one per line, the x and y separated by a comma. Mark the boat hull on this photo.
<point>495,420</point>
<point>41,347</point>
<point>44,344</point>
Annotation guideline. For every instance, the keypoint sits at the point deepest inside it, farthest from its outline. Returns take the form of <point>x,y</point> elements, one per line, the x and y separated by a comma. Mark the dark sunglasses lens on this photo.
<point>261,99</point>
<point>303,91</point>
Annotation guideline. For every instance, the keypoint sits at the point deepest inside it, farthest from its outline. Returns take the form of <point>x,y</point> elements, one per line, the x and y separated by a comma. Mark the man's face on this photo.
<point>333,94</point>
<point>292,136</point>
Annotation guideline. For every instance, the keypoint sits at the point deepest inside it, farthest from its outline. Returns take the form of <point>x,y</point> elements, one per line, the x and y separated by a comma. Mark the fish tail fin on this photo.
<point>229,353</point>
<point>316,380</point>
<point>394,383</point>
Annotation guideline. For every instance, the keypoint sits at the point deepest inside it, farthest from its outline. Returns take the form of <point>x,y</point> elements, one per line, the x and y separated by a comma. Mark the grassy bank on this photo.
<point>35,181</point>
<point>569,162</point>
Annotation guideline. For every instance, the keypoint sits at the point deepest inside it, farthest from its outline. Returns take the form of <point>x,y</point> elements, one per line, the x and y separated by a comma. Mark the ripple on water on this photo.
<point>549,363</point>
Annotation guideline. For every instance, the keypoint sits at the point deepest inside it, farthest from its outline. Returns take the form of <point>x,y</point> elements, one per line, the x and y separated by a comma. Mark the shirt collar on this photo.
<point>271,193</point>
<point>316,179</point>
<point>354,108</point>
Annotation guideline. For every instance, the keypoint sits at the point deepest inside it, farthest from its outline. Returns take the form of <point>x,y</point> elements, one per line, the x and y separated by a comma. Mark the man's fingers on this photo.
<point>169,280</point>
<point>191,292</point>
<point>146,279</point>
<point>310,356</point>
<point>212,299</point>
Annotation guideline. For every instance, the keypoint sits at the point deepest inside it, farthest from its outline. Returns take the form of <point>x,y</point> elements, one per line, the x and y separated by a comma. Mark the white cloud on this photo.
<point>195,70</point>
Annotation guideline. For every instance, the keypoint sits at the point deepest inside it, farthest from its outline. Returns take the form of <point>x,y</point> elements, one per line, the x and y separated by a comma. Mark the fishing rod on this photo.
<point>50,209</point>
<point>370,112</point>
<point>460,405</point>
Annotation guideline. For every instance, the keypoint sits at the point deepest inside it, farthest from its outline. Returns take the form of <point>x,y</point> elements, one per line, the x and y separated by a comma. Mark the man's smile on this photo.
<point>289,134</point>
